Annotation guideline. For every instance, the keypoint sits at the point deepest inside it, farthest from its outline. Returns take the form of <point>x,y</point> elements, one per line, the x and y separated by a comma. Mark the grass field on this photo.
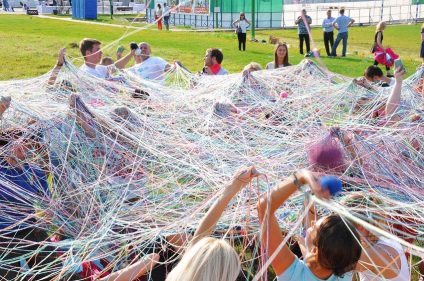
<point>30,44</point>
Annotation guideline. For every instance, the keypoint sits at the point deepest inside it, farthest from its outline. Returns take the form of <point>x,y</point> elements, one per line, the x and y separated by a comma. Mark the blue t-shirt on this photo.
<point>298,271</point>
<point>19,189</point>
<point>342,21</point>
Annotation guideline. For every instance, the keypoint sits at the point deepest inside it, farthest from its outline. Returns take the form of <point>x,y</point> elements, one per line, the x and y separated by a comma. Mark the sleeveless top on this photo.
<point>403,275</point>
<point>375,36</point>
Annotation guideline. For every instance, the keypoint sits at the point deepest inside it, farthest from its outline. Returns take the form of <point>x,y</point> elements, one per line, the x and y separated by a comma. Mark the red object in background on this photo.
<point>386,58</point>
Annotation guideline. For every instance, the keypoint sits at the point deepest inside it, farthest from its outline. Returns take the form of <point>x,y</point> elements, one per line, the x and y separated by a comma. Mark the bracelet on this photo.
<point>297,182</point>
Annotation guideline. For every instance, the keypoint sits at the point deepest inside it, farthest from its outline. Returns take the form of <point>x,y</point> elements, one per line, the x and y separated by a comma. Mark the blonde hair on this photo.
<point>380,26</point>
<point>253,66</point>
<point>369,207</point>
<point>210,259</point>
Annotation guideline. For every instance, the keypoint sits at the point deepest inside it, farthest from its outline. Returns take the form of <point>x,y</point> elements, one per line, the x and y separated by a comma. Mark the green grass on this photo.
<point>30,44</point>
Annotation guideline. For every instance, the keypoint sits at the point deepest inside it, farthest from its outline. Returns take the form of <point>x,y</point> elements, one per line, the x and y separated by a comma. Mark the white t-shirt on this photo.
<point>270,65</point>
<point>243,25</point>
<point>152,69</point>
<point>166,11</point>
<point>100,71</point>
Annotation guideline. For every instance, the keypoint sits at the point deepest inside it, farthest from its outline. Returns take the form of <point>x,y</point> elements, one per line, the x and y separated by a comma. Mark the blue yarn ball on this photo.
<point>331,183</point>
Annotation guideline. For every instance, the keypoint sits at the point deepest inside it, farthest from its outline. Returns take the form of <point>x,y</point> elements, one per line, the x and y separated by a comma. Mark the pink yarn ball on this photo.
<point>284,95</point>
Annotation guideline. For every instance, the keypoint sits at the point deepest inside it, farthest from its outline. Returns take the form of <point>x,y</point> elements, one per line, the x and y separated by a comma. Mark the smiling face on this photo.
<point>281,52</point>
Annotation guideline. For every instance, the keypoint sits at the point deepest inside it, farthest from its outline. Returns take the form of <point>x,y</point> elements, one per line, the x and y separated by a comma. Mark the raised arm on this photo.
<point>241,178</point>
<point>120,64</point>
<point>394,98</point>
<point>298,20</point>
<point>133,271</point>
<point>57,67</point>
<point>272,236</point>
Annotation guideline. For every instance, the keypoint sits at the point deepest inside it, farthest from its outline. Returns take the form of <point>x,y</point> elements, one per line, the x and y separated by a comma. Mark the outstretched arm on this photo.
<point>272,236</point>
<point>57,67</point>
<point>394,98</point>
<point>120,64</point>
<point>241,178</point>
<point>133,271</point>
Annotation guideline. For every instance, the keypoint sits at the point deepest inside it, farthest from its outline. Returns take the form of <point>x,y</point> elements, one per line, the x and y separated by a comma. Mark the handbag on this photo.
<point>373,48</point>
<point>238,29</point>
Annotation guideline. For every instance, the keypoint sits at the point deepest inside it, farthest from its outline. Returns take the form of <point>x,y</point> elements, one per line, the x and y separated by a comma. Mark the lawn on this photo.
<point>30,44</point>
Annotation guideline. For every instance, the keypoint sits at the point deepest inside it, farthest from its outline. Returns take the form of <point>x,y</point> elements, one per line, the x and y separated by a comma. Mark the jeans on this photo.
<point>328,41</point>
<point>340,36</point>
<point>306,38</point>
<point>166,19</point>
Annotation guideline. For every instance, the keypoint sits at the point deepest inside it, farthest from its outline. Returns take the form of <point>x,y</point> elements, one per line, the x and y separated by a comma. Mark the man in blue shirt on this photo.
<point>303,31</point>
<point>327,24</point>
<point>342,23</point>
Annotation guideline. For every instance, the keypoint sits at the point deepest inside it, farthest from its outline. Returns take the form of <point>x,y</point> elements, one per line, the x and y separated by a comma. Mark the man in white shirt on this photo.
<point>92,53</point>
<point>212,61</point>
<point>147,67</point>
<point>166,15</point>
<point>327,24</point>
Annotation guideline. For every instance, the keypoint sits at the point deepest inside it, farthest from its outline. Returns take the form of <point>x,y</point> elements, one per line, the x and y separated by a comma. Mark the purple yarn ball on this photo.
<point>326,154</point>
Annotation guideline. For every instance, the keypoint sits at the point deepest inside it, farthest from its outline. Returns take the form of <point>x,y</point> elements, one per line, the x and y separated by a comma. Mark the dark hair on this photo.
<point>217,53</point>
<point>286,58</point>
<point>372,71</point>
<point>159,6</point>
<point>87,45</point>
<point>338,243</point>
<point>341,11</point>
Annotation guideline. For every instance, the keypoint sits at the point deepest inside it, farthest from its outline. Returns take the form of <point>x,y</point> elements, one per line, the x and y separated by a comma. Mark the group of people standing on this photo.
<point>341,23</point>
<point>164,13</point>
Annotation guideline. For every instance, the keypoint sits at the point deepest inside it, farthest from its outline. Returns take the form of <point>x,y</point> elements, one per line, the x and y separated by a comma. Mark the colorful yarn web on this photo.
<point>125,172</point>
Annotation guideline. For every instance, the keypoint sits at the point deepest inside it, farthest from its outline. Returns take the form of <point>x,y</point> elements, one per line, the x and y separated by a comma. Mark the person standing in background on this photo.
<point>158,16</point>
<point>166,15</point>
<point>303,31</point>
<point>243,24</point>
<point>327,24</point>
<point>378,38</point>
<point>341,23</point>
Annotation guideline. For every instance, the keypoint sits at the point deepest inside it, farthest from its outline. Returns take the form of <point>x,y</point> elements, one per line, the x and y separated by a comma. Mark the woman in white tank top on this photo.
<point>382,258</point>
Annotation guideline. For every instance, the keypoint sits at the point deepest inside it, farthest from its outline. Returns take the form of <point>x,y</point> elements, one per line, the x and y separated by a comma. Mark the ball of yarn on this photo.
<point>284,95</point>
<point>326,154</point>
<point>331,183</point>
